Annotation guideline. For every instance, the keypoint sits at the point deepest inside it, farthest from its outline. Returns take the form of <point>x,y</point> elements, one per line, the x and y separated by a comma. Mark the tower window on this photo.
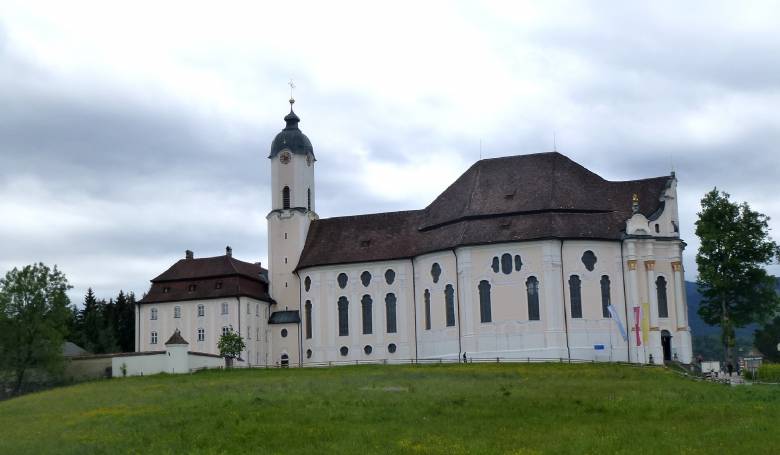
<point>286,197</point>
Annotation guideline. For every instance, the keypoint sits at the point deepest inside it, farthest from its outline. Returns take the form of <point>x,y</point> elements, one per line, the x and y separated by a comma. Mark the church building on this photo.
<point>527,256</point>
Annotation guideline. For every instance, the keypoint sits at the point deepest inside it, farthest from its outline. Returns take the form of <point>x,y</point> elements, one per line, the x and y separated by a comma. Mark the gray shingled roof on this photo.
<point>525,197</point>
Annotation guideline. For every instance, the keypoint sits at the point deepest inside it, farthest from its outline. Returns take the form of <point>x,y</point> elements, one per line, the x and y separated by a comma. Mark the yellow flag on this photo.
<point>645,322</point>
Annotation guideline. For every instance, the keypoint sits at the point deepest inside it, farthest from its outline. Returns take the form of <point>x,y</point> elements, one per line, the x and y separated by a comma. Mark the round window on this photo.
<point>367,349</point>
<point>344,351</point>
<point>284,333</point>
<point>308,353</point>
<point>391,348</point>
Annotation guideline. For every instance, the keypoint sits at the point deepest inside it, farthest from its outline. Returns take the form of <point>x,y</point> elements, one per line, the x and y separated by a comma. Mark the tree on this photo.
<point>230,345</point>
<point>33,322</point>
<point>767,339</point>
<point>735,245</point>
<point>124,322</point>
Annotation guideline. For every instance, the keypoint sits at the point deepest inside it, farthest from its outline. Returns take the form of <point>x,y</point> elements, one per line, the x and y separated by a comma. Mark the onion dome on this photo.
<point>291,137</point>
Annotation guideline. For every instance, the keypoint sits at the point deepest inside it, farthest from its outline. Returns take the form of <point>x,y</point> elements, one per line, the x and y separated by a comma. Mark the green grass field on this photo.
<point>447,409</point>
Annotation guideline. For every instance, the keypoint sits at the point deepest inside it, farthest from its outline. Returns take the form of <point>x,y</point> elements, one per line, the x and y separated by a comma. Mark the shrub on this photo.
<point>768,372</point>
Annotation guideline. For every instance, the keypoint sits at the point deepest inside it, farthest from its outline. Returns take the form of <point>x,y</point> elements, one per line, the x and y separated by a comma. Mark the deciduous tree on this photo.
<point>735,246</point>
<point>33,322</point>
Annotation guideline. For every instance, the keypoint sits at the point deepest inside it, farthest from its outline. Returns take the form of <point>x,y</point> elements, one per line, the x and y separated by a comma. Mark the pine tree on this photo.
<point>735,245</point>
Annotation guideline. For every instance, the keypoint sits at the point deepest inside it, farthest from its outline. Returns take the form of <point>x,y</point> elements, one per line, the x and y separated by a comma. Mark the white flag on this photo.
<point>613,312</point>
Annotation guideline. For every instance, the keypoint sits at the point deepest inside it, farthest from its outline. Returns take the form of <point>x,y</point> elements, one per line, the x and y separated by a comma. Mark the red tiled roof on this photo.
<point>212,278</point>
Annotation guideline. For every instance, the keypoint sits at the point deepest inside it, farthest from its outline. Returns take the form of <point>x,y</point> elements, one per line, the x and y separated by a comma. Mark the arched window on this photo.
<point>308,199</point>
<point>307,283</point>
<point>606,298</point>
<point>484,301</point>
<point>343,316</point>
<point>367,304</point>
<point>307,311</point>
<point>575,296</point>
<point>285,360</point>
<point>286,197</point>
<point>389,276</point>
<point>427,298</point>
<point>390,312</point>
<point>532,291</point>
<point>660,287</point>
<point>449,305</point>
<point>494,264</point>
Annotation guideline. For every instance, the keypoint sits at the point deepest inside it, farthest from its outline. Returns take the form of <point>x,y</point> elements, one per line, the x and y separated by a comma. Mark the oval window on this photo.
<point>389,276</point>
<point>342,280</point>
<point>284,333</point>
<point>365,278</point>
<point>368,349</point>
<point>344,351</point>
<point>307,283</point>
<point>391,348</point>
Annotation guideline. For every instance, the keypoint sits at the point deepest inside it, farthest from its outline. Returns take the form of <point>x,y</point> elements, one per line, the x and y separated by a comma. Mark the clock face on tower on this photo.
<point>284,158</point>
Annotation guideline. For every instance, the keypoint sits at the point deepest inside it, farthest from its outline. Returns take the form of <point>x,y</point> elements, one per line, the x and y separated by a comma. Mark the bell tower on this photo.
<point>292,209</point>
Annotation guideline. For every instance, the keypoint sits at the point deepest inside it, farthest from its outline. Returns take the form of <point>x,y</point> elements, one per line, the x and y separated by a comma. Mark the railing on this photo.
<point>439,361</point>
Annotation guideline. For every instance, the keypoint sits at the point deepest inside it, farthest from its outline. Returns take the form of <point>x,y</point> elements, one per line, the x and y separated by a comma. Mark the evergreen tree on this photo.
<point>33,322</point>
<point>125,321</point>
<point>735,245</point>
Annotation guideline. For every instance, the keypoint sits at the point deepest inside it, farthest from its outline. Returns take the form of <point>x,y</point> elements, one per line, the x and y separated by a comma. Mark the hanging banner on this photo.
<point>615,317</point>
<point>645,322</point>
<point>637,329</point>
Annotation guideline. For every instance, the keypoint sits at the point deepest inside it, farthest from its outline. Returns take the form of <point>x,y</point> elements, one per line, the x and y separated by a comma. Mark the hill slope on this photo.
<point>489,408</point>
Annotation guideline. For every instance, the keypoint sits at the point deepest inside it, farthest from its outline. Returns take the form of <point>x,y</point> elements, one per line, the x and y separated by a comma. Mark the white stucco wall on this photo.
<point>253,322</point>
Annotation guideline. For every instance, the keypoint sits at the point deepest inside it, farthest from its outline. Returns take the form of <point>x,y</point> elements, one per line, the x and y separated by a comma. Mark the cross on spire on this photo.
<point>292,87</point>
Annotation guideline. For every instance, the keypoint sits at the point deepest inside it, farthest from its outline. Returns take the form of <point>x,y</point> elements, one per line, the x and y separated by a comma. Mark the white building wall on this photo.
<point>211,322</point>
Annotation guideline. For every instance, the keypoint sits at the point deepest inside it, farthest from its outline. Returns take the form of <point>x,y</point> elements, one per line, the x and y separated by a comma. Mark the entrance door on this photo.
<point>666,343</point>
<point>285,361</point>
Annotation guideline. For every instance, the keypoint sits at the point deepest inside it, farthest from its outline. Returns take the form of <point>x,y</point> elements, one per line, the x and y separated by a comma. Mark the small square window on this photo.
<point>191,288</point>
<point>166,290</point>
<point>218,285</point>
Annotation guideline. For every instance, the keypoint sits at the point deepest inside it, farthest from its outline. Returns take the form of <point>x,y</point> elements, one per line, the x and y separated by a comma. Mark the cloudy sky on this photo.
<point>131,132</point>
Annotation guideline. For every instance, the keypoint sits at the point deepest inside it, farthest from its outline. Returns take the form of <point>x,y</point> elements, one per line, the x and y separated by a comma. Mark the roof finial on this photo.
<point>635,203</point>
<point>292,86</point>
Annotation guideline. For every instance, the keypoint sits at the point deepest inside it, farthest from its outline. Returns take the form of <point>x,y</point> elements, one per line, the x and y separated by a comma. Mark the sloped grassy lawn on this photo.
<point>447,409</point>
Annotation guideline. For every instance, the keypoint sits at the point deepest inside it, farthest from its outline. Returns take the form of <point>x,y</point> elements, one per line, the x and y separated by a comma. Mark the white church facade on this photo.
<point>529,256</point>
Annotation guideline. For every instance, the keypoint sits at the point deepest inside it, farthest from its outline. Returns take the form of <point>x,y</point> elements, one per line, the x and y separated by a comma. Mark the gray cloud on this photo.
<point>112,182</point>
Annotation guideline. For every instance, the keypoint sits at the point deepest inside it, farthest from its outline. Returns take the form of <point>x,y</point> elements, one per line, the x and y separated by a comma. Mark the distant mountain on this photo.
<point>698,326</point>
